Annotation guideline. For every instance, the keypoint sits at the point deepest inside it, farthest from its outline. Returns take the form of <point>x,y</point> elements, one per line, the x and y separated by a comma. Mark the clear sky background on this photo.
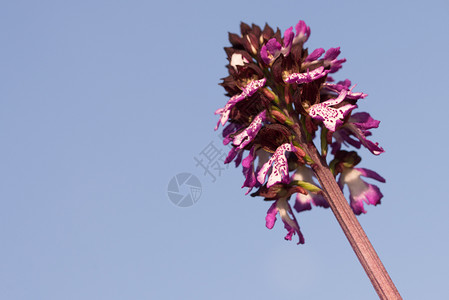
<point>103,102</point>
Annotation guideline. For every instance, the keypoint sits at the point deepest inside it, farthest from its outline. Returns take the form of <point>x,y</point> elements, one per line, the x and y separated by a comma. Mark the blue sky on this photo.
<point>103,102</point>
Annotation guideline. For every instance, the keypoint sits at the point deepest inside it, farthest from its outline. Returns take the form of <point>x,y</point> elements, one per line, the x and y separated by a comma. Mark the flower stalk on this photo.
<point>354,232</point>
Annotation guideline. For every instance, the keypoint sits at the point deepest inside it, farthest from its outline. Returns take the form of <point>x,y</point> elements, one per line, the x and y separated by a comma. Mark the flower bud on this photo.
<point>251,43</point>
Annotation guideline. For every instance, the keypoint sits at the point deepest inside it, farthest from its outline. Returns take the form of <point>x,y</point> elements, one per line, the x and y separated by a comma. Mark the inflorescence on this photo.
<point>277,91</point>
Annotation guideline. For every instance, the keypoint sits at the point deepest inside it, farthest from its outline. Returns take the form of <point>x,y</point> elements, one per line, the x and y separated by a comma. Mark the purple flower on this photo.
<point>357,125</point>
<point>344,85</point>
<point>302,33</point>
<point>282,207</point>
<point>280,167</point>
<point>331,117</point>
<point>248,171</point>
<point>246,136</point>
<point>306,77</point>
<point>273,48</point>
<point>359,190</point>
<point>232,154</point>
<point>228,131</point>
<point>238,160</point>
<point>332,53</point>
<point>248,167</point>
<point>303,202</point>
<point>288,41</point>
<point>330,59</point>
<point>314,55</point>
<point>270,51</point>
<point>247,91</point>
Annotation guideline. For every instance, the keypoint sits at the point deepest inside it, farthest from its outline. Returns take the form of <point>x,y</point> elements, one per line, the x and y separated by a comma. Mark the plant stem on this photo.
<point>354,232</point>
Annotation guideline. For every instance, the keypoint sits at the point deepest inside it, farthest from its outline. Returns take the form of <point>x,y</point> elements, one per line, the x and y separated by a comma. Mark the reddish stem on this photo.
<point>354,232</point>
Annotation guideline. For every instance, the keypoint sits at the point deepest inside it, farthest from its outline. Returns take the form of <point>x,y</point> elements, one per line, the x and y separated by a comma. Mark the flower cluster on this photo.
<point>281,98</point>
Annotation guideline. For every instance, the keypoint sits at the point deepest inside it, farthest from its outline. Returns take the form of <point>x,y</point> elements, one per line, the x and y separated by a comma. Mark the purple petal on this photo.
<point>248,171</point>
<point>364,121</point>
<point>314,55</point>
<point>345,83</point>
<point>231,155</point>
<point>332,53</point>
<point>270,51</point>
<point>357,125</point>
<point>371,195</point>
<point>357,205</point>
<point>288,38</point>
<point>264,55</point>
<point>319,200</point>
<point>342,136</point>
<point>291,224</point>
<point>228,130</point>
<point>361,135</point>
<point>370,174</point>
<point>250,180</point>
<point>302,32</point>
<point>273,46</point>
<point>336,65</point>
<point>331,117</point>
<point>330,59</point>
<point>345,134</point>
<point>306,77</point>
<point>303,202</point>
<point>344,86</point>
<point>248,161</point>
<point>238,160</point>
<point>359,190</point>
<point>270,219</point>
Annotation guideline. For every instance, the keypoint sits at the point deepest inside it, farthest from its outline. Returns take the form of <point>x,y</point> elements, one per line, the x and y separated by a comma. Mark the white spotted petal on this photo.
<point>330,116</point>
<point>306,77</point>
<point>247,91</point>
<point>280,166</point>
<point>246,136</point>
